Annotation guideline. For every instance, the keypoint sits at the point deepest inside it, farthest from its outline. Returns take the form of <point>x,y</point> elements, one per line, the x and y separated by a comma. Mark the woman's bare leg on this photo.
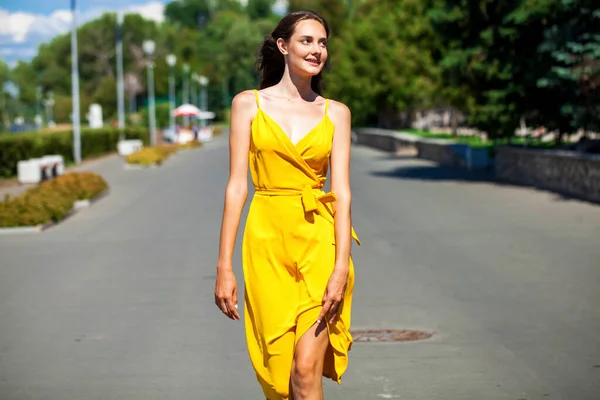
<point>307,366</point>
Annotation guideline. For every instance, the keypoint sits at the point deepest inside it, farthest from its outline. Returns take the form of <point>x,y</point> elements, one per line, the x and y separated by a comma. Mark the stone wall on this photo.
<point>384,139</point>
<point>443,152</point>
<point>565,172</point>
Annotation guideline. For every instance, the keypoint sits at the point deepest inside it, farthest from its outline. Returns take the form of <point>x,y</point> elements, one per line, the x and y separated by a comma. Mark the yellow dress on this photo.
<point>288,252</point>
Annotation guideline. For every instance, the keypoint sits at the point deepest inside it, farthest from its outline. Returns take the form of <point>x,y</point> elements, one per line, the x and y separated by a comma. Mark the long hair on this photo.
<point>270,63</point>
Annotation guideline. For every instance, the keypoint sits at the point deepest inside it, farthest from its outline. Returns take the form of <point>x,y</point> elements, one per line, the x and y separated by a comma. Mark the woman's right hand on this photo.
<point>226,293</point>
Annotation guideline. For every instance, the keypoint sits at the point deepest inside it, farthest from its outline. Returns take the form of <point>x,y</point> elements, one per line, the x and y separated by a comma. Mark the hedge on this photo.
<point>94,142</point>
<point>51,200</point>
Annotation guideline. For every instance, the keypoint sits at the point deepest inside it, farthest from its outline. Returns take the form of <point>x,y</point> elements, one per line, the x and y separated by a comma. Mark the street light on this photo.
<point>149,47</point>
<point>186,89</point>
<point>75,88</point>
<point>171,60</point>
<point>120,86</point>
<point>38,107</point>
<point>204,100</point>
<point>49,104</point>
<point>193,95</point>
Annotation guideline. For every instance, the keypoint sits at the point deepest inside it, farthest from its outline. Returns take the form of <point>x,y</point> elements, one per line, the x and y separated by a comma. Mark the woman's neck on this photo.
<point>293,87</point>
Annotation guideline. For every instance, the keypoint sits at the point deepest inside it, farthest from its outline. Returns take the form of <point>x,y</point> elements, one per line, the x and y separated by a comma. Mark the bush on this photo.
<point>94,142</point>
<point>151,155</point>
<point>50,200</point>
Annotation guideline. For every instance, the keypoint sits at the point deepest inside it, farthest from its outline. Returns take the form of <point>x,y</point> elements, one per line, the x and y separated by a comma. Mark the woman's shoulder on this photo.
<point>244,98</point>
<point>338,110</point>
<point>244,105</point>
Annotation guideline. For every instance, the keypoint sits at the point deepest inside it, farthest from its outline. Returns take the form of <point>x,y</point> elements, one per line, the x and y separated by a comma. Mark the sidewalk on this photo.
<point>13,188</point>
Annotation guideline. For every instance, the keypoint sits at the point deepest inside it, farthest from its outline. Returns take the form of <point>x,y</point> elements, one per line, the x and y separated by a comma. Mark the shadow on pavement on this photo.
<point>444,173</point>
<point>438,173</point>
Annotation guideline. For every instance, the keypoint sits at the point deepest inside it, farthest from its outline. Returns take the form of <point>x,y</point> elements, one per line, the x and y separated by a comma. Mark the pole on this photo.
<point>75,88</point>
<point>120,86</point>
<point>186,91</point>
<point>151,110</point>
<point>171,99</point>
<point>203,104</point>
<point>193,96</point>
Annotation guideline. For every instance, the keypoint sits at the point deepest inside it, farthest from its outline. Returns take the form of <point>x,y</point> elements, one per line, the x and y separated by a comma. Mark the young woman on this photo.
<point>298,272</point>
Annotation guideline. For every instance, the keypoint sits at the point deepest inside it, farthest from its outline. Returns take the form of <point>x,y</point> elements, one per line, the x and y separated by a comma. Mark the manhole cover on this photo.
<point>389,335</point>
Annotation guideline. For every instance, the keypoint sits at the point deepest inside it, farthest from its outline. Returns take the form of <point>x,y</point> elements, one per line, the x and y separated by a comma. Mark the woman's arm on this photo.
<point>340,185</point>
<point>235,197</point>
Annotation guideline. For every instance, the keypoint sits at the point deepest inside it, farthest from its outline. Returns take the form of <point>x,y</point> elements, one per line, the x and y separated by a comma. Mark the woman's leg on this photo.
<point>307,366</point>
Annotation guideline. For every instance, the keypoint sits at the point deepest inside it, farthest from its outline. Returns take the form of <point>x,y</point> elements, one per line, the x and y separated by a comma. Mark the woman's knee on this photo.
<point>306,370</point>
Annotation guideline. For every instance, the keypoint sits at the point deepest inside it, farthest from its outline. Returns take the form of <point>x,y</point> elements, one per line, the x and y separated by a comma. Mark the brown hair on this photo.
<point>271,63</point>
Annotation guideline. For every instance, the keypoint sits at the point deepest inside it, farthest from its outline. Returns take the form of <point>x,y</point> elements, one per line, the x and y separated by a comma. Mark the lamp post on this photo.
<point>171,60</point>
<point>186,89</point>
<point>204,100</point>
<point>49,104</point>
<point>75,88</point>
<point>149,47</point>
<point>38,107</point>
<point>193,87</point>
<point>120,86</point>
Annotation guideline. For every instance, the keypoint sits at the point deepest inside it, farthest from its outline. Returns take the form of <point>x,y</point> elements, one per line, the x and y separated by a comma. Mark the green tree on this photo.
<point>188,13</point>
<point>335,12</point>
<point>572,46</point>
<point>382,67</point>
<point>259,9</point>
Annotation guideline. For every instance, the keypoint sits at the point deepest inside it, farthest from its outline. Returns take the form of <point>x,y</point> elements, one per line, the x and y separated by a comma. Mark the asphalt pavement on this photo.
<point>116,302</point>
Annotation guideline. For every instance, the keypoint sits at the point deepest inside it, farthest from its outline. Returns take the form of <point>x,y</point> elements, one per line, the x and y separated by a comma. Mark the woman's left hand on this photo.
<point>334,294</point>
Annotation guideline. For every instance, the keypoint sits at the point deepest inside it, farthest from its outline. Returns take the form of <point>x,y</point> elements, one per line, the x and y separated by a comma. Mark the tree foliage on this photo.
<point>495,60</point>
<point>379,67</point>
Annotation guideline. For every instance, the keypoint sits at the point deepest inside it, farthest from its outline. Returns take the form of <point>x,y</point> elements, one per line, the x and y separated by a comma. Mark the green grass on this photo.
<point>477,142</point>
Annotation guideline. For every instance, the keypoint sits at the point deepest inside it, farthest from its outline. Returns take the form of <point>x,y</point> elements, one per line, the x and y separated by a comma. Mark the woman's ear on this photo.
<point>282,46</point>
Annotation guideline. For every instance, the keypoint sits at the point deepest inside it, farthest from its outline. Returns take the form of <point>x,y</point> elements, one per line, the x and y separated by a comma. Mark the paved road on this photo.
<point>116,302</point>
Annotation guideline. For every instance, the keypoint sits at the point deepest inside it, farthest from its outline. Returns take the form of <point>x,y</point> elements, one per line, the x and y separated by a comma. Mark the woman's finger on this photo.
<point>224,308</point>
<point>235,304</point>
<point>334,311</point>
<point>324,310</point>
<point>233,310</point>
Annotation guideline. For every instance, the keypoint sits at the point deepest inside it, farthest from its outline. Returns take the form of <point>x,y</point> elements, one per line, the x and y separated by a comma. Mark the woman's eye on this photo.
<point>304,41</point>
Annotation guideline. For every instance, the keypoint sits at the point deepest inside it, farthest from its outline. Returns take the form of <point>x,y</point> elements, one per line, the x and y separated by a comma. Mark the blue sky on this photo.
<point>24,24</point>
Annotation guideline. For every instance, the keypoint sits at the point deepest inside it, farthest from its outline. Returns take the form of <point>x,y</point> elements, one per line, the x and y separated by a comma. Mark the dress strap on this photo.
<point>257,100</point>
<point>326,106</point>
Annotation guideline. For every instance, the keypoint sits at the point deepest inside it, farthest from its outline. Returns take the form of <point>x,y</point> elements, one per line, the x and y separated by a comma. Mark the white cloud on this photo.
<point>21,32</point>
<point>16,25</point>
<point>19,26</point>
<point>154,11</point>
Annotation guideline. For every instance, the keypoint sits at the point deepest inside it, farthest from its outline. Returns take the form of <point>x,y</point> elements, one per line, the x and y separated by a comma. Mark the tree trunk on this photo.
<point>454,122</point>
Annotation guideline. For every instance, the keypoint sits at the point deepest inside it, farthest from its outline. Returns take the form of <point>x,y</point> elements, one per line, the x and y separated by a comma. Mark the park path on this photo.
<point>116,302</point>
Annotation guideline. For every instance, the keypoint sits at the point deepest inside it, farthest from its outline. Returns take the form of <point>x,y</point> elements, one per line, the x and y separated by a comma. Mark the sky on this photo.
<point>24,24</point>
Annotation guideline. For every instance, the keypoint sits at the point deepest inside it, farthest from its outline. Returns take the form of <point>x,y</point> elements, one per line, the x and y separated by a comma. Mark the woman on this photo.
<point>298,271</point>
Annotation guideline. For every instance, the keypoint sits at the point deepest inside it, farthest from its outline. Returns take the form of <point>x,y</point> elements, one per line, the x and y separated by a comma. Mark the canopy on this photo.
<point>190,110</point>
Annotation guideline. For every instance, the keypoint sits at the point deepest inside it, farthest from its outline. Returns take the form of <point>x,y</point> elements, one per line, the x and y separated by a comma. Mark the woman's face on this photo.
<point>306,51</point>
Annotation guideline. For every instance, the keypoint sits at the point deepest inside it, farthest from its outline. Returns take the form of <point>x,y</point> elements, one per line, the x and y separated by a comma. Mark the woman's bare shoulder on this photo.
<point>244,99</point>
<point>339,111</point>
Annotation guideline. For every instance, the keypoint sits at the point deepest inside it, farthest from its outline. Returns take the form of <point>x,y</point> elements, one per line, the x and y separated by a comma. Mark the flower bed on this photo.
<point>151,155</point>
<point>190,145</point>
<point>50,201</point>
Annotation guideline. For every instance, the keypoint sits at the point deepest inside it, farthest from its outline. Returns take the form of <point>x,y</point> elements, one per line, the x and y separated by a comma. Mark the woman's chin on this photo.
<point>309,71</point>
